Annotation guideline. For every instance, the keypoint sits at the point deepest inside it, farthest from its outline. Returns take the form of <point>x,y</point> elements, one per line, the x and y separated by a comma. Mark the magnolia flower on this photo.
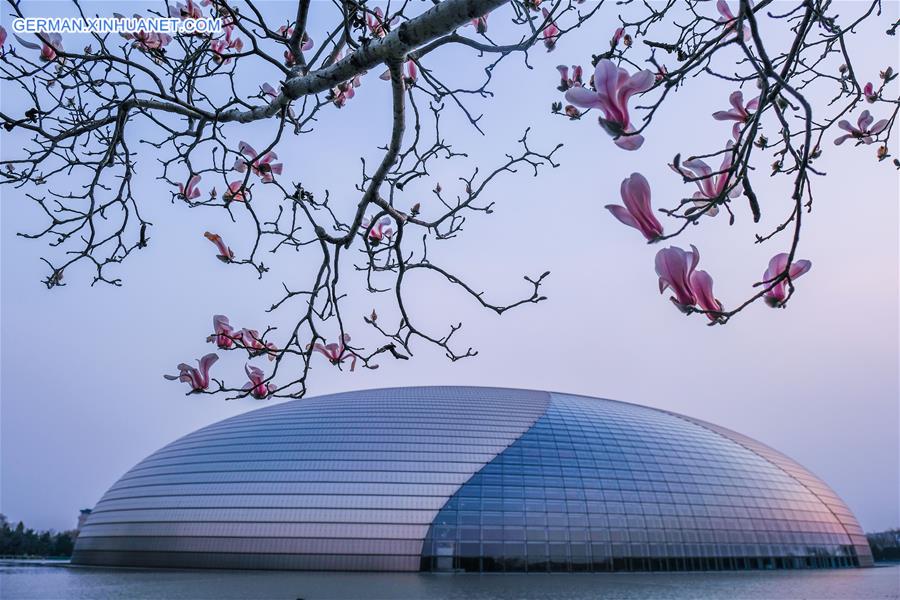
<point>49,49</point>
<point>259,389</point>
<point>614,86</point>
<point>2,37</point>
<point>617,36</point>
<point>377,24</point>
<point>198,379</point>
<point>190,191</point>
<point>739,112</point>
<point>223,336</point>
<point>261,166</point>
<point>637,211</point>
<point>777,295</point>
<point>566,82</point>
<point>412,74</point>
<point>236,192</point>
<point>711,186</point>
<point>272,93</point>
<point>189,10</point>
<point>337,353</point>
<point>225,253</point>
<point>479,23</point>
<point>702,283</point>
<point>220,46</point>
<point>344,91</point>
<point>379,231</point>
<point>252,341</point>
<point>863,131</point>
<point>550,32</point>
<point>870,93</point>
<point>729,20</point>
<point>145,40</point>
<point>306,43</point>
<point>151,41</point>
<point>676,269</point>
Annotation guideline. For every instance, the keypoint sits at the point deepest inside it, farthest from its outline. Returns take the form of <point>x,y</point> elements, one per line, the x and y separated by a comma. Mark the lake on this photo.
<point>44,580</point>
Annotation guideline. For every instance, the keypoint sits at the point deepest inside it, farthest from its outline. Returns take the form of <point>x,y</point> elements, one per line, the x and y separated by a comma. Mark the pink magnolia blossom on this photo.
<point>187,10</point>
<point>412,74</point>
<point>617,37</point>
<point>221,46</point>
<point>257,385</point>
<point>190,191</point>
<point>306,43</point>
<point>261,166</point>
<point>48,49</point>
<point>614,86</point>
<point>870,93</point>
<point>224,333</point>
<point>145,40</point>
<point>377,24</point>
<point>566,82</point>
<point>550,33</point>
<point>2,37</point>
<point>337,353</point>
<point>236,192</point>
<point>343,92</point>
<point>379,231</point>
<point>272,93</point>
<point>637,211</point>
<point>710,186</point>
<point>729,19</point>
<point>675,267</point>
<point>702,284</point>
<point>677,270</point>
<point>225,253</point>
<point>151,40</point>
<point>864,130</point>
<point>776,296</point>
<point>480,24</point>
<point>198,379</point>
<point>252,341</point>
<point>739,112</point>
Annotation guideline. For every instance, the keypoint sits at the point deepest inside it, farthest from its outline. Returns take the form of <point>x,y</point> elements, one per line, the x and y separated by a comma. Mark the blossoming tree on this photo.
<point>85,101</point>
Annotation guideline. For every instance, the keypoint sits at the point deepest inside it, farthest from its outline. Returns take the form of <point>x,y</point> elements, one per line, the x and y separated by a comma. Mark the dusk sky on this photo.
<point>83,397</point>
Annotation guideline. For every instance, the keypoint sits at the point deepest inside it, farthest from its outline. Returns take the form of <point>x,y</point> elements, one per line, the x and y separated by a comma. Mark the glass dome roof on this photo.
<point>475,479</point>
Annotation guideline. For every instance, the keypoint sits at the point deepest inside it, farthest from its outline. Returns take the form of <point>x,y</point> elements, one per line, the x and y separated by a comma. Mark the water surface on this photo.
<point>29,580</point>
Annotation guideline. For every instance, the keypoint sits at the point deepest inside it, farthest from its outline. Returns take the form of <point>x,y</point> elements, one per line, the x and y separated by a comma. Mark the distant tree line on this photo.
<point>19,541</point>
<point>885,544</point>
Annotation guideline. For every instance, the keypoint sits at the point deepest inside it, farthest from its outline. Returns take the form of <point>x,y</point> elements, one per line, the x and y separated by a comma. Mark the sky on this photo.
<point>82,397</point>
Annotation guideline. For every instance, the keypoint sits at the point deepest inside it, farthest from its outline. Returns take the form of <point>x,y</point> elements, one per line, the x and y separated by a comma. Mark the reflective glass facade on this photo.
<point>476,479</point>
<point>598,485</point>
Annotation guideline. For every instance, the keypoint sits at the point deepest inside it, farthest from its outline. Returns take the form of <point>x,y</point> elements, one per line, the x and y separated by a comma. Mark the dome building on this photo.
<point>473,479</point>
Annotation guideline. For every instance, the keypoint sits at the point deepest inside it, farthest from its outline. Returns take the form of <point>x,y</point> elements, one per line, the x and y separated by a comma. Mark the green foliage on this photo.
<point>19,541</point>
